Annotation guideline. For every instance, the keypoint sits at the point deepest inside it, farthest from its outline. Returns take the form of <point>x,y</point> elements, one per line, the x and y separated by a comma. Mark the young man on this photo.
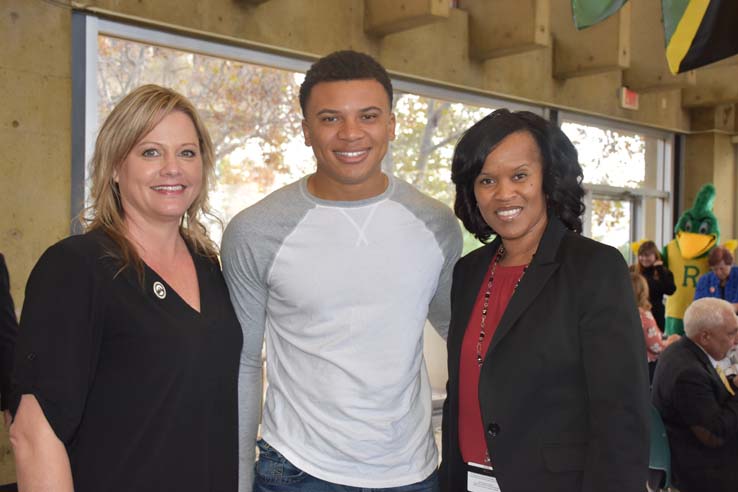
<point>339,272</point>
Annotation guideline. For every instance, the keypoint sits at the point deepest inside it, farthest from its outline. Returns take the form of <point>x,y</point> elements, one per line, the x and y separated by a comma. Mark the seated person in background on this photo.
<point>651,332</point>
<point>660,280</point>
<point>698,403</point>
<point>722,281</point>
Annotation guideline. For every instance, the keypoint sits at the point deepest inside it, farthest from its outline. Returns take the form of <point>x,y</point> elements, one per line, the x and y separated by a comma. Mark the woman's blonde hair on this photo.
<point>132,119</point>
<point>640,289</point>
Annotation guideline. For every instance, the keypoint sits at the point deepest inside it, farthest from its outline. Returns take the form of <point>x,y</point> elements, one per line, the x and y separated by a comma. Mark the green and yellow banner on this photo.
<point>699,32</point>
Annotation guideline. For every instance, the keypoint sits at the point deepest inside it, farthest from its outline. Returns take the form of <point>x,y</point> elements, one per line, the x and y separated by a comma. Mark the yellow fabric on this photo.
<point>686,273</point>
<point>684,33</point>
<point>731,244</point>
<point>724,379</point>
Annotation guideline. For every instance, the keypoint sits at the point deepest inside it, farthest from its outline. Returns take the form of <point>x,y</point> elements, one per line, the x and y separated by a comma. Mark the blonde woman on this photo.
<point>127,355</point>
<point>651,331</point>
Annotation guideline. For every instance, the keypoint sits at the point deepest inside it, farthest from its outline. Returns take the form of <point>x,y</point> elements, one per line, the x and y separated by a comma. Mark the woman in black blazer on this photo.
<point>548,385</point>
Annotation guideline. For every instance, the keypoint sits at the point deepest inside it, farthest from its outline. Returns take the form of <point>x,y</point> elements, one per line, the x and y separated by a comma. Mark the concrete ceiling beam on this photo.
<point>438,51</point>
<point>716,118</point>
<point>649,70</point>
<point>500,27</point>
<point>600,48</point>
<point>716,85</point>
<point>383,17</point>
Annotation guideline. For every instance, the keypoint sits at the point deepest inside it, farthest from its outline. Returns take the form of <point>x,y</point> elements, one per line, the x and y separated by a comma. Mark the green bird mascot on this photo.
<point>696,233</point>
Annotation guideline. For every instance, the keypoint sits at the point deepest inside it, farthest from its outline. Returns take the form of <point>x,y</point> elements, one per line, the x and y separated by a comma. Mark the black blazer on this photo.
<point>687,392</point>
<point>564,386</point>
<point>8,333</point>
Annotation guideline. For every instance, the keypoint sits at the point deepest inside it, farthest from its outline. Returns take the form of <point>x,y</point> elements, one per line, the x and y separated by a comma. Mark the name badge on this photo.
<point>480,478</point>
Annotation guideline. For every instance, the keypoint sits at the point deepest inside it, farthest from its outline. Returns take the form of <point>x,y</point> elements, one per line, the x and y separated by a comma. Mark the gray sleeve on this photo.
<point>250,245</point>
<point>248,293</point>
<point>440,220</point>
<point>449,239</point>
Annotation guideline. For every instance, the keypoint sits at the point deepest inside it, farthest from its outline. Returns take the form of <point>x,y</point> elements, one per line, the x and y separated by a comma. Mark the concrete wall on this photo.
<point>422,38</point>
<point>710,158</point>
<point>35,87</point>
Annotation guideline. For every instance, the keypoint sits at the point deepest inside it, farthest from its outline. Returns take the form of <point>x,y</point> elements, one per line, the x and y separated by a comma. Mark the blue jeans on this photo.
<point>275,474</point>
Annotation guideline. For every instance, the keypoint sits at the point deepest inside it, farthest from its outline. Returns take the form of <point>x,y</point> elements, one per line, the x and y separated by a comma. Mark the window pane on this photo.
<point>427,131</point>
<point>252,113</point>
<point>611,223</point>
<point>609,157</point>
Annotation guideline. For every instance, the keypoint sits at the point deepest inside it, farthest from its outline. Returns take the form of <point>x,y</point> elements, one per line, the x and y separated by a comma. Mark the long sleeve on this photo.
<point>616,378</point>
<point>703,286</point>
<point>695,401</point>
<point>248,294</point>
<point>667,280</point>
<point>439,312</point>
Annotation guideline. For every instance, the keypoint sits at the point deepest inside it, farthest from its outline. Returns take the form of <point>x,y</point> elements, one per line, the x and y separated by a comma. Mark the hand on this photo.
<point>671,339</point>
<point>658,263</point>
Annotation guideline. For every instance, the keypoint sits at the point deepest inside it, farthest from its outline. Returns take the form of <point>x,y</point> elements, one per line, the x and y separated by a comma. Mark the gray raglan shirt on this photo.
<point>341,291</point>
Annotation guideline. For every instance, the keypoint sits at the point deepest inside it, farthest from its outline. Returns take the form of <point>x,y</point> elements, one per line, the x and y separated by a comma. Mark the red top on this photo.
<point>471,429</point>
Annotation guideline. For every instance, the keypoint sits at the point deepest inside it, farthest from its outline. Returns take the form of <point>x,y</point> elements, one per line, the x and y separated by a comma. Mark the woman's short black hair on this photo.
<point>562,174</point>
<point>341,66</point>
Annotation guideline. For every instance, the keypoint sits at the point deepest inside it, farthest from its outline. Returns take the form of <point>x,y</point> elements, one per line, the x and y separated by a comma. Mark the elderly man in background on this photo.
<point>697,401</point>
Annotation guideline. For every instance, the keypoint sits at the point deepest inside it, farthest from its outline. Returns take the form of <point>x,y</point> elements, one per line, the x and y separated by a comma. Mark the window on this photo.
<point>249,101</point>
<point>627,175</point>
<point>251,112</point>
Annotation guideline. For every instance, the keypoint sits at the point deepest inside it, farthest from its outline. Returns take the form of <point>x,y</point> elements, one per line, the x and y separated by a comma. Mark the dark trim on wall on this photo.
<point>79,63</point>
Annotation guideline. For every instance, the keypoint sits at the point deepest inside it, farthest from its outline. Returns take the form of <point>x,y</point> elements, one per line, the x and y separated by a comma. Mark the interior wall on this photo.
<point>710,158</point>
<point>35,87</point>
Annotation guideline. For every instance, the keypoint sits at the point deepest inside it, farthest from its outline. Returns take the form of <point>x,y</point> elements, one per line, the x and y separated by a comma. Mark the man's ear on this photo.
<point>306,133</point>
<point>393,124</point>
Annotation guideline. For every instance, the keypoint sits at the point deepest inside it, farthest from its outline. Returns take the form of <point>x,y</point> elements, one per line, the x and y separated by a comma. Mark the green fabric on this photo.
<point>700,218</point>
<point>672,12</point>
<point>589,12</point>
<point>674,326</point>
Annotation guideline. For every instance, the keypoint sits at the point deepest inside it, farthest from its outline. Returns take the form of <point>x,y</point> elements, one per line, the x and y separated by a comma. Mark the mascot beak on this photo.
<point>693,245</point>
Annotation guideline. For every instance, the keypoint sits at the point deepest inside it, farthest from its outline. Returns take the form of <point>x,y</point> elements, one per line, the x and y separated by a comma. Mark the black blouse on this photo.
<point>140,387</point>
<point>660,283</point>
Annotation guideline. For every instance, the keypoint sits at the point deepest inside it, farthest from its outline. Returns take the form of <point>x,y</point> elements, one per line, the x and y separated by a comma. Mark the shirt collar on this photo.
<point>712,361</point>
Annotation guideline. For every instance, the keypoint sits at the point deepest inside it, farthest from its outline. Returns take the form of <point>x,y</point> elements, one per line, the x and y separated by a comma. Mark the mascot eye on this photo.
<point>688,226</point>
<point>704,228</point>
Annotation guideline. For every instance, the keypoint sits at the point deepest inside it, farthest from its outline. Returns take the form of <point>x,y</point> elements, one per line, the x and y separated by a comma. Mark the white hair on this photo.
<point>706,314</point>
